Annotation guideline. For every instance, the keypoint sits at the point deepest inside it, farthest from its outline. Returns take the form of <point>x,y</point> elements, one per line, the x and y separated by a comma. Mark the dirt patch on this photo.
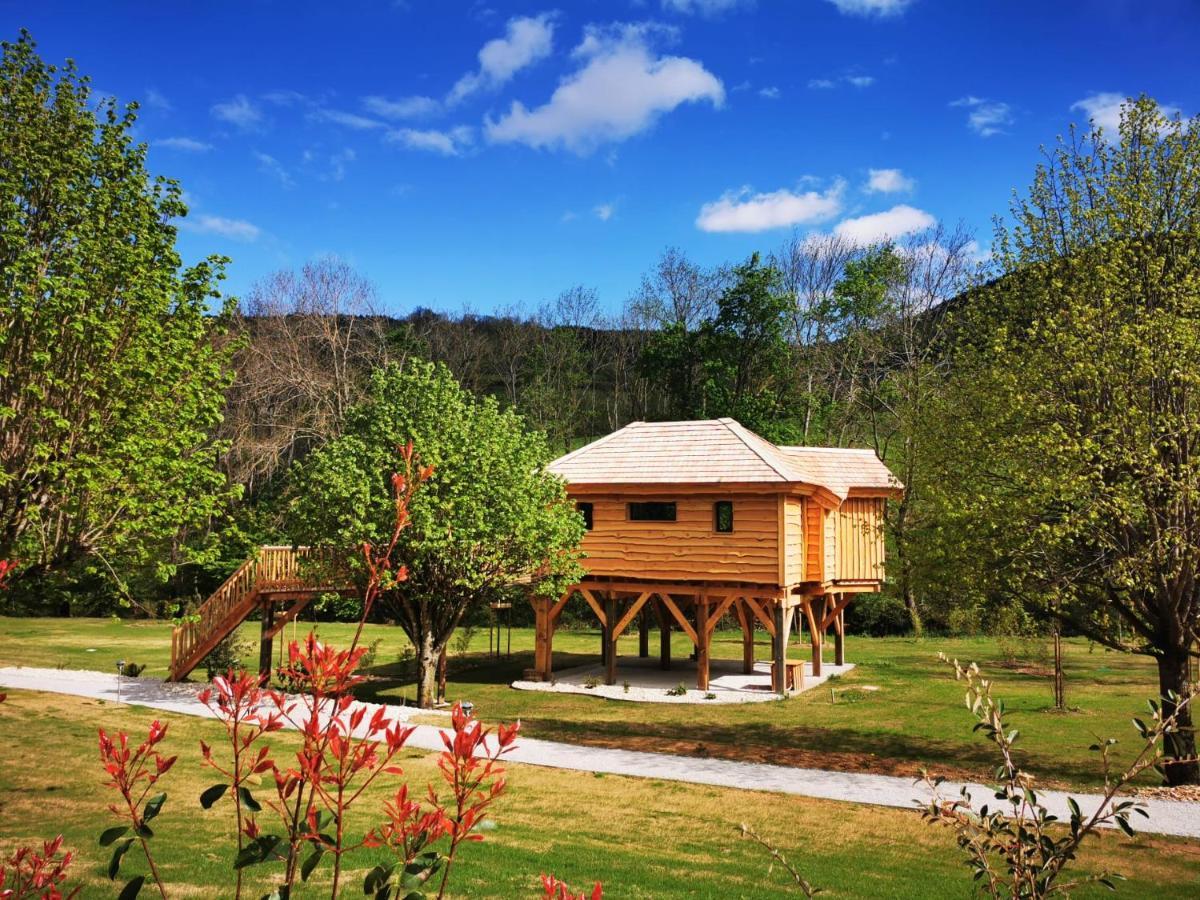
<point>1184,792</point>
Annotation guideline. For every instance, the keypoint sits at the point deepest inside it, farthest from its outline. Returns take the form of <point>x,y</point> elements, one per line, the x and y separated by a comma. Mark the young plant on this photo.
<point>133,774</point>
<point>237,700</point>
<point>1017,848</point>
<point>29,874</point>
<point>553,889</point>
<point>778,859</point>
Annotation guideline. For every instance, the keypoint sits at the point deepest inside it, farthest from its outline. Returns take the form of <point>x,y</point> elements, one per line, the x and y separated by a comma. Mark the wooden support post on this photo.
<point>815,635</point>
<point>610,639</point>
<point>839,639</point>
<point>705,636</point>
<point>664,635</point>
<point>541,625</point>
<point>779,647</point>
<point>644,633</point>
<point>264,644</point>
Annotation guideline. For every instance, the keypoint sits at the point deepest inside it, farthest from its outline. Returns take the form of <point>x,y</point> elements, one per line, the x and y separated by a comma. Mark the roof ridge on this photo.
<point>742,432</point>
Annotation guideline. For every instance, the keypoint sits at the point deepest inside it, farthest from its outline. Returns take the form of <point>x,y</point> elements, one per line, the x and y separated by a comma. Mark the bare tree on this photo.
<point>309,340</point>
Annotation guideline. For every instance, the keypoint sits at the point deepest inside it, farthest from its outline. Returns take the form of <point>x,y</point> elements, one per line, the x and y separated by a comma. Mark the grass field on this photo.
<point>642,838</point>
<point>915,719</point>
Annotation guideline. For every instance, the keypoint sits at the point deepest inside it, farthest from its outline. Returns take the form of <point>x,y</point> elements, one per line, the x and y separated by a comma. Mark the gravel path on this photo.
<point>1166,816</point>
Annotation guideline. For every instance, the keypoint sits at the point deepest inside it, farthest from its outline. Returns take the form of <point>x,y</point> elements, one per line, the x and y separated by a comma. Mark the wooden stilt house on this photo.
<point>694,520</point>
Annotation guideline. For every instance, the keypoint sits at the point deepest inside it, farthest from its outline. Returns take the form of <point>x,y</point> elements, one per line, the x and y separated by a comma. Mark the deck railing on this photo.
<point>269,568</point>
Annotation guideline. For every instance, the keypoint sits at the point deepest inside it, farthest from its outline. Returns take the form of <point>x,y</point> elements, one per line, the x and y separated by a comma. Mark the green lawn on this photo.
<point>915,719</point>
<point>643,838</point>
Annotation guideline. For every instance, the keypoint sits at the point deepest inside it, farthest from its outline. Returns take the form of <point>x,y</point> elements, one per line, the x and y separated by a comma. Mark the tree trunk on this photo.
<point>1173,676</point>
<point>427,664</point>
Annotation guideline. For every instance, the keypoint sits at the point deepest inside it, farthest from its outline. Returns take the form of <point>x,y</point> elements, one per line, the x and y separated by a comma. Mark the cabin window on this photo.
<point>585,510</point>
<point>723,516</point>
<point>652,511</point>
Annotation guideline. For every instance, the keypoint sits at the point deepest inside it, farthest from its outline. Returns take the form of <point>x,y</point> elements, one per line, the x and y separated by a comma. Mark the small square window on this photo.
<point>585,510</point>
<point>652,511</point>
<point>723,516</point>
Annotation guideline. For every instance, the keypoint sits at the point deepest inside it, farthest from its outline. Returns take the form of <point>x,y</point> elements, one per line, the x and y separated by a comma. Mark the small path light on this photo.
<point>467,707</point>
<point>120,672</point>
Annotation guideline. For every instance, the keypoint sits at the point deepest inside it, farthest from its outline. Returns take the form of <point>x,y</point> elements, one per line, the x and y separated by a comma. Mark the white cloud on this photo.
<point>986,117</point>
<point>604,211</point>
<point>447,143</point>
<point>771,93</point>
<point>404,108</point>
<point>157,100</point>
<point>622,88</point>
<point>273,167</point>
<point>883,226</point>
<point>339,161</point>
<point>871,7</point>
<point>233,229</point>
<point>347,119</point>
<point>186,144</point>
<point>888,181</point>
<point>1104,109</point>
<point>705,8</point>
<point>238,111</point>
<point>742,211</point>
<point>526,41</point>
<point>827,84</point>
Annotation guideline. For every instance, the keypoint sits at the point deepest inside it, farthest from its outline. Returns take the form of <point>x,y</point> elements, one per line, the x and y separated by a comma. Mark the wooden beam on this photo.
<point>721,609</point>
<point>712,588</point>
<point>632,611</point>
<point>591,601</point>
<point>761,615</point>
<point>839,640</point>
<point>644,634</point>
<point>664,635</point>
<point>679,617</point>
<point>705,632</point>
<point>557,608</point>
<point>836,611</point>
<point>815,635</point>
<point>779,648</point>
<point>610,640</point>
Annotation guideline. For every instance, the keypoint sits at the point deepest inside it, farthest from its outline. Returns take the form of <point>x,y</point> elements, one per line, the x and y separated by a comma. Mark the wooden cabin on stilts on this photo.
<point>690,521</point>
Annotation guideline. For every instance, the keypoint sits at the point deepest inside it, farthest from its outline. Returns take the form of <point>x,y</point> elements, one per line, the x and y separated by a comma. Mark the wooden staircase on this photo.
<point>273,575</point>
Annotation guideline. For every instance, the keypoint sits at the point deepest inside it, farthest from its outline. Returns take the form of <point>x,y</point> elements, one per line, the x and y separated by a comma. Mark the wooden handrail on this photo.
<point>269,567</point>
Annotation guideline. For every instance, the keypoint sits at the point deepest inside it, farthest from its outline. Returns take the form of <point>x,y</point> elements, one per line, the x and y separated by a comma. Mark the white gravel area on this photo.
<point>1171,817</point>
<point>647,683</point>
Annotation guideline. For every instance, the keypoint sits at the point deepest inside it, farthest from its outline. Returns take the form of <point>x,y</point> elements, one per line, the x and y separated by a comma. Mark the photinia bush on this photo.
<point>30,873</point>
<point>558,890</point>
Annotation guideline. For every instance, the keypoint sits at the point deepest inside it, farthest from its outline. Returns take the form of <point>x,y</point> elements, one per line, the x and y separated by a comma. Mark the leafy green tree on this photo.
<point>490,514</point>
<point>746,360</point>
<point>112,369</point>
<point>1071,474</point>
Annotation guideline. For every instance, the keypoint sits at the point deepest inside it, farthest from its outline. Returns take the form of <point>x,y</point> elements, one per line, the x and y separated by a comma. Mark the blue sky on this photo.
<point>484,154</point>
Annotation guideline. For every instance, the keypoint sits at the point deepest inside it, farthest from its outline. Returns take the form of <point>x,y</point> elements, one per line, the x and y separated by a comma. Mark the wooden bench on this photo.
<point>793,674</point>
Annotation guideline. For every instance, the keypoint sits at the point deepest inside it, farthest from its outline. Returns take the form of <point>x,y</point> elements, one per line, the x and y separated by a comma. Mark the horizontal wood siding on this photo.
<point>793,515</point>
<point>829,524</point>
<point>814,541</point>
<point>688,548</point>
<point>860,539</point>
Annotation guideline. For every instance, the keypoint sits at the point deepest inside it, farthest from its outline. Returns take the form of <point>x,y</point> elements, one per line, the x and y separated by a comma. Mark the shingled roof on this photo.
<point>717,451</point>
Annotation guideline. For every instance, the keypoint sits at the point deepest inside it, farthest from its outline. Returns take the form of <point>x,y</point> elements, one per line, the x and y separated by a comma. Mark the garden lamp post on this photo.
<point>120,672</point>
